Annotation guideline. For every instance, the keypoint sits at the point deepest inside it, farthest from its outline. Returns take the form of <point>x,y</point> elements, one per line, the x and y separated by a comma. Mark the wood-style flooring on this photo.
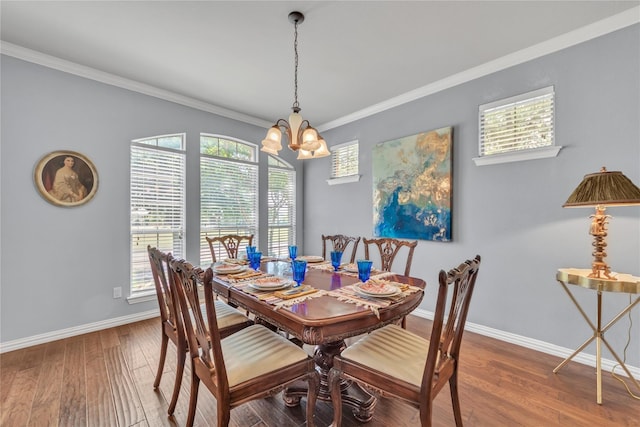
<point>106,378</point>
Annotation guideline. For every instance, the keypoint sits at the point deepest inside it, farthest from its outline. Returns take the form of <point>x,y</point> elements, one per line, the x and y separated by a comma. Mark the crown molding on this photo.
<point>597,29</point>
<point>588,32</point>
<point>63,65</point>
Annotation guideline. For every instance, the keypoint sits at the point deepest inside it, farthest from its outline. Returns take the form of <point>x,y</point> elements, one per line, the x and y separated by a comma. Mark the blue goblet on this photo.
<point>293,252</point>
<point>336,258</point>
<point>299,268</point>
<point>364,269</point>
<point>254,260</point>
<point>250,250</point>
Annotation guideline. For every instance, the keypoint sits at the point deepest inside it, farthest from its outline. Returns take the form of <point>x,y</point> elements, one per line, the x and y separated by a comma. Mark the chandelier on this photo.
<point>302,137</point>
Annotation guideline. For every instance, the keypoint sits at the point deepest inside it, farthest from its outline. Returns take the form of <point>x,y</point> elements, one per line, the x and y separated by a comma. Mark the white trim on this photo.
<point>537,345</point>
<point>45,60</point>
<point>518,156</point>
<point>76,330</point>
<point>597,29</point>
<point>343,179</point>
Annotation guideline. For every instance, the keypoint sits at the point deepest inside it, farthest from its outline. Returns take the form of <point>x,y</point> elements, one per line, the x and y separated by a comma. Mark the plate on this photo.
<point>377,289</point>
<point>311,258</point>
<point>228,268</point>
<point>351,268</point>
<point>270,283</point>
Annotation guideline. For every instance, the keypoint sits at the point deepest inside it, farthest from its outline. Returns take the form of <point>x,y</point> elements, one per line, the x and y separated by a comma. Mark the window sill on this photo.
<point>344,179</point>
<point>519,156</point>
<point>142,297</point>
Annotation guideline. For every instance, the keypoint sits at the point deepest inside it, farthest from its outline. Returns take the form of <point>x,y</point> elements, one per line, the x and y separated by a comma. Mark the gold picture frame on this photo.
<point>66,178</point>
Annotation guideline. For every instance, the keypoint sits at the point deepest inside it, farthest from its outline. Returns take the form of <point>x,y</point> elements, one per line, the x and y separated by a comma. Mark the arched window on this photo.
<point>228,190</point>
<point>282,207</point>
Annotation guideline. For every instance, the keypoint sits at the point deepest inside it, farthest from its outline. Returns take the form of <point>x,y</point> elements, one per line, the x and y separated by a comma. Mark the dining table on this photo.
<point>329,307</point>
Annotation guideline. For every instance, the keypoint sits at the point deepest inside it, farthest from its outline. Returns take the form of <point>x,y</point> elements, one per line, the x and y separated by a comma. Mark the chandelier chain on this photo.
<point>295,78</point>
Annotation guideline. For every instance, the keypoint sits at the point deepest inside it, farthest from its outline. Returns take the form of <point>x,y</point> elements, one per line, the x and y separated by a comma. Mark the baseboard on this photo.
<point>76,330</point>
<point>533,344</point>
<point>541,346</point>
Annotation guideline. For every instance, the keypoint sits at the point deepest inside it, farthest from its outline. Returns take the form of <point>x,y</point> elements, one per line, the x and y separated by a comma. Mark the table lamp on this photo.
<point>600,190</point>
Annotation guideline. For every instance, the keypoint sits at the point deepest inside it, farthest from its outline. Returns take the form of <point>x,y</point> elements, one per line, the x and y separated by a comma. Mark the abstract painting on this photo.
<point>412,187</point>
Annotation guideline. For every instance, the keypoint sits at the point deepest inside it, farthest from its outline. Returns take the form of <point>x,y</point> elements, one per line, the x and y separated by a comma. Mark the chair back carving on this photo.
<point>388,249</point>
<point>446,336</point>
<point>186,280</point>
<point>340,242</point>
<point>159,269</point>
<point>230,242</point>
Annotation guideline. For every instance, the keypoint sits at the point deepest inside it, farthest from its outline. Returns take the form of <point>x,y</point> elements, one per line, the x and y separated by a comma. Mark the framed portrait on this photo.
<point>66,178</point>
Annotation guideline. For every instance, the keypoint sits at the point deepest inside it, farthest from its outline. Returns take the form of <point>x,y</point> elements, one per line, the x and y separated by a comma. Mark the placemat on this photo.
<point>350,295</point>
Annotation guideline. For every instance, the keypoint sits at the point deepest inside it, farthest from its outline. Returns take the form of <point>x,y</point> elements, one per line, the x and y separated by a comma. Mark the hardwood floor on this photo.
<point>106,379</point>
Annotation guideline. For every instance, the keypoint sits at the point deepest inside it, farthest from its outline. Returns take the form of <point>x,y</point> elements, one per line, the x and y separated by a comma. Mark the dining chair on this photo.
<point>230,242</point>
<point>389,249</point>
<point>230,319</point>
<point>340,243</point>
<point>251,364</point>
<point>394,362</point>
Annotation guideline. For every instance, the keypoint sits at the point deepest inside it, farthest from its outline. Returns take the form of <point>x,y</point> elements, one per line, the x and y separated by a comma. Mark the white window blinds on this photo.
<point>282,207</point>
<point>523,122</point>
<point>344,160</point>
<point>157,208</point>
<point>228,191</point>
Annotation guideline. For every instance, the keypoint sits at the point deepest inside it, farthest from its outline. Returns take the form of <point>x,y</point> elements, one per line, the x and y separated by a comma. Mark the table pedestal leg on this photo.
<point>353,395</point>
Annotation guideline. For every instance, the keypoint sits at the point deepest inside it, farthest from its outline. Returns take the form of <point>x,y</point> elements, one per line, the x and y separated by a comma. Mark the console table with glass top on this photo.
<point>625,283</point>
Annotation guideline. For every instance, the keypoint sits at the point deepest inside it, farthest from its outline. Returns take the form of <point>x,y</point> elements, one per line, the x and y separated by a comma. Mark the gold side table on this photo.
<point>621,283</point>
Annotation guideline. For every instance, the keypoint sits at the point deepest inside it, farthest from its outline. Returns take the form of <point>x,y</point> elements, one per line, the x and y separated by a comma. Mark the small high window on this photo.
<point>344,163</point>
<point>517,128</point>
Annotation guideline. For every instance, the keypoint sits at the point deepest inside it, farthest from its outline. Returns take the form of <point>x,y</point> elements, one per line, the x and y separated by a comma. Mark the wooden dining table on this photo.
<point>325,318</point>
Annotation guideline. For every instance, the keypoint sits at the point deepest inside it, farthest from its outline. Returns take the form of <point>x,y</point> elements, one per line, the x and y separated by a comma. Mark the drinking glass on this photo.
<point>299,268</point>
<point>250,250</point>
<point>293,252</point>
<point>364,269</point>
<point>336,258</point>
<point>254,260</point>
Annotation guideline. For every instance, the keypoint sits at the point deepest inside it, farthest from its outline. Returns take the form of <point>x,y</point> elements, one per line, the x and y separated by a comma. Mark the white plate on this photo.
<point>228,268</point>
<point>311,258</point>
<point>270,284</point>
<point>385,291</point>
<point>351,268</point>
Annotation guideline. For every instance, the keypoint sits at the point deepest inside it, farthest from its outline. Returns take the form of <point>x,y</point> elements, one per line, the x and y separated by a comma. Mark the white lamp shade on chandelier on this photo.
<point>302,137</point>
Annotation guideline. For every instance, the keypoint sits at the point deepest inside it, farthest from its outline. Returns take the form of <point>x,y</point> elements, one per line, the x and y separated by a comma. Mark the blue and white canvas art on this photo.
<point>412,187</point>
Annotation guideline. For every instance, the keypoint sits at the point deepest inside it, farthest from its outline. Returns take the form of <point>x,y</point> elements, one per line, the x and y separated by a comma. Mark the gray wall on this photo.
<point>60,265</point>
<point>512,213</point>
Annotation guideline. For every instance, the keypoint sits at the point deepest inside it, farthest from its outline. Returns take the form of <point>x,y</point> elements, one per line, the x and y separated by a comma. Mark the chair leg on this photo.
<point>224,413</point>
<point>193,399</point>
<point>181,356</point>
<point>403,323</point>
<point>333,381</point>
<point>455,401</point>
<point>312,394</point>
<point>163,356</point>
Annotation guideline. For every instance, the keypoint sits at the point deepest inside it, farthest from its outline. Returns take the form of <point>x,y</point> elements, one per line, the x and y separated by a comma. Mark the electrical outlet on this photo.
<point>117,292</point>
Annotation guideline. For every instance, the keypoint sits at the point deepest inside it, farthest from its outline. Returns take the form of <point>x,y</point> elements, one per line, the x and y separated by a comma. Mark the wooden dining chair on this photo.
<point>230,242</point>
<point>394,362</point>
<point>230,320</point>
<point>251,364</point>
<point>340,242</point>
<point>388,249</point>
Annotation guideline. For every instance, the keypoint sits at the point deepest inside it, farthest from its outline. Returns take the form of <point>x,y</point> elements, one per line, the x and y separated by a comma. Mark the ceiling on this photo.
<point>355,57</point>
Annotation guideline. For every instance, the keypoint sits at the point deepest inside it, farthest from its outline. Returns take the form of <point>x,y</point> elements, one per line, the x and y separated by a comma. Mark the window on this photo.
<point>344,163</point>
<point>228,190</point>
<point>157,203</point>
<point>282,207</point>
<point>517,125</point>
